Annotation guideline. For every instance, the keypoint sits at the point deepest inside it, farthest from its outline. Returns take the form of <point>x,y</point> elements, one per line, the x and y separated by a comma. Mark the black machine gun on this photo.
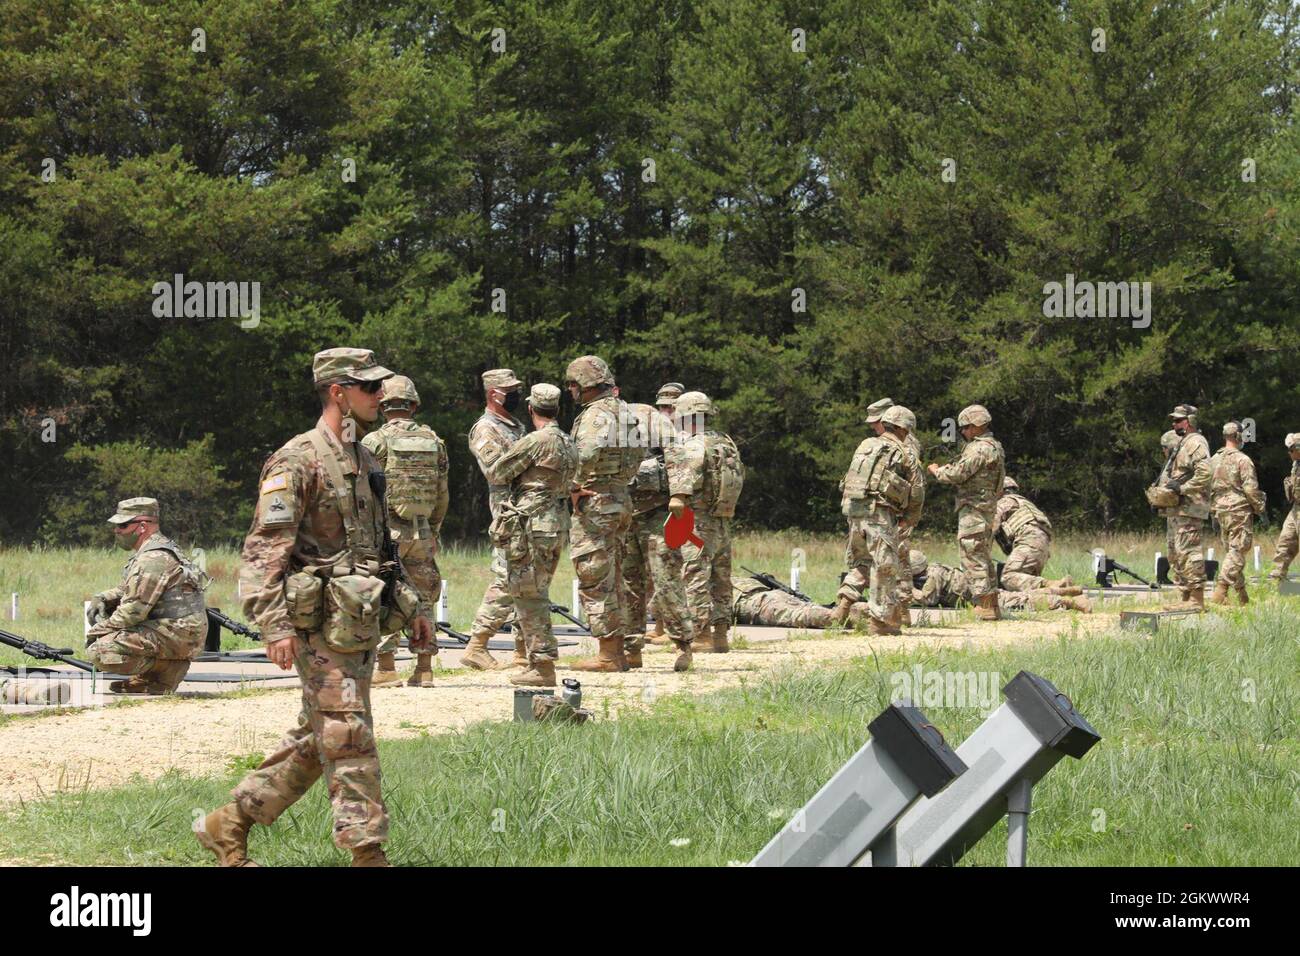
<point>43,652</point>
<point>1107,568</point>
<point>564,612</point>
<point>216,621</point>
<point>774,583</point>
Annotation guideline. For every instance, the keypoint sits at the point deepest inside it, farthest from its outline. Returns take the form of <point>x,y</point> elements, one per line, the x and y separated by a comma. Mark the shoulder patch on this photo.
<point>275,483</point>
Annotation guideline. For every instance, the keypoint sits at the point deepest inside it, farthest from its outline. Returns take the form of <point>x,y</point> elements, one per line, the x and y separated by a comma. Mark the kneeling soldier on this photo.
<point>155,622</point>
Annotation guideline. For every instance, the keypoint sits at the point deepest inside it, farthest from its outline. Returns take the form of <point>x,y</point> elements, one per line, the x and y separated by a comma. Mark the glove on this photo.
<point>98,609</point>
<point>677,504</point>
<point>1175,486</point>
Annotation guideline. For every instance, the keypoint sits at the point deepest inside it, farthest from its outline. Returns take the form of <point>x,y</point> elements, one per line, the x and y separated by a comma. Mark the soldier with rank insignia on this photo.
<point>155,622</point>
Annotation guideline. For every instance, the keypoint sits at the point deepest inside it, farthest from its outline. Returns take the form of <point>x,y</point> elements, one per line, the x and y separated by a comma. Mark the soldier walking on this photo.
<point>155,622</point>
<point>414,460</point>
<point>976,477</point>
<point>1288,542</point>
<point>490,438</point>
<point>533,527</point>
<point>315,581</point>
<point>1236,501</point>
<point>1181,493</point>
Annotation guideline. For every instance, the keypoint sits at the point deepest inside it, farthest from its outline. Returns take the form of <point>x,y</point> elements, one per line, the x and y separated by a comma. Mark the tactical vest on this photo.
<point>726,476</point>
<point>363,525</point>
<point>185,597</point>
<point>413,469</point>
<point>619,452</point>
<point>876,473</point>
<point>1025,514</point>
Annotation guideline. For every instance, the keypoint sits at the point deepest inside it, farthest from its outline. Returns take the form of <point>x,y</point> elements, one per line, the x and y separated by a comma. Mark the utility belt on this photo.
<point>346,603</point>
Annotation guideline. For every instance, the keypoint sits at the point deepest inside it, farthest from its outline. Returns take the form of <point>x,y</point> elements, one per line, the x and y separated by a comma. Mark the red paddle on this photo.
<point>679,529</point>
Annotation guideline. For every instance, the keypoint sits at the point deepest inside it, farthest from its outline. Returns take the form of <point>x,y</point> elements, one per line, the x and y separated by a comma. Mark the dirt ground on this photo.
<point>102,747</point>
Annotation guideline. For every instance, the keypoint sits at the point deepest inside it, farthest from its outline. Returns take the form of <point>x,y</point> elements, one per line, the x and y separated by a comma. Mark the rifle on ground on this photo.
<point>563,611</point>
<point>43,652</point>
<point>1106,573</point>
<point>446,629</point>
<point>775,584</point>
<point>216,621</point>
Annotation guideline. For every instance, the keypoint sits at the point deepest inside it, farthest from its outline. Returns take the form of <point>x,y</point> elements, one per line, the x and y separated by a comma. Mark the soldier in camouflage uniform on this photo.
<point>882,490</point>
<point>977,479</point>
<point>414,460</point>
<point>532,527</point>
<point>1025,536</point>
<point>155,622</point>
<point>937,585</point>
<point>650,567</point>
<point>903,588</point>
<point>705,474</point>
<point>1181,493</point>
<point>314,580</point>
<point>1236,501</point>
<point>609,448</point>
<point>1288,542</point>
<point>757,604</point>
<point>490,438</point>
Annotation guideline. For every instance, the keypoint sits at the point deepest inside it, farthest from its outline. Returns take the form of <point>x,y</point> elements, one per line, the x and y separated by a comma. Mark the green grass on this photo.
<point>1199,765</point>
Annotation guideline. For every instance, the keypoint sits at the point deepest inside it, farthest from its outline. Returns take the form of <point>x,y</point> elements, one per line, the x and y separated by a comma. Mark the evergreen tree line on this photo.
<point>796,208</point>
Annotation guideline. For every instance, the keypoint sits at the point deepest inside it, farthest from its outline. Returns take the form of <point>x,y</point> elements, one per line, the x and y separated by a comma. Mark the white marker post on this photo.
<point>794,577</point>
<point>85,618</point>
<point>576,604</point>
<point>1209,555</point>
<point>13,606</point>
<point>1257,559</point>
<point>443,616</point>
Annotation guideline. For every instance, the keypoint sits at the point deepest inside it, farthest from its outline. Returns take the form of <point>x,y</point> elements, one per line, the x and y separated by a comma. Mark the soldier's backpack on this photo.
<point>728,473</point>
<point>878,474</point>
<point>413,472</point>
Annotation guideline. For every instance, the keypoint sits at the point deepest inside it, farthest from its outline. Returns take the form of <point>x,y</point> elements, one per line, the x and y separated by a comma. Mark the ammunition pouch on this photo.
<point>509,532</point>
<point>353,609</point>
<point>304,596</point>
<point>1161,497</point>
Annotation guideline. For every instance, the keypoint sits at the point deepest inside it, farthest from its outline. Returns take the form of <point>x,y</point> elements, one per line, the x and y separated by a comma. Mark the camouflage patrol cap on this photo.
<point>973,415</point>
<point>131,508</point>
<point>876,410</point>
<point>1183,411</point>
<point>589,371</point>
<point>500,378</point>
<point>1232,429</point>
<point>1292,440</point>
<point>899,416</point>
<point>669,392</point>
<point>1169,440</point>
<point>399,388</point>
<point>544,397</point>
<point>334,366</point>
<point>1009,484</point>
<point>917,561</point>
<point>693,403</point>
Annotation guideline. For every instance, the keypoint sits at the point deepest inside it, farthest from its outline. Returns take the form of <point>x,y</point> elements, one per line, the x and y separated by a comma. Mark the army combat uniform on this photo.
<point>650,567</point>
<point>706,474</point>
<point>310,568</point>
<point>902,588</point>
<point>757,604</point>
<point>159,619</point>
<point>1235,499</point>
<point>414,460</point>
<point>976,477</point>
<point>532,528</point>
<point>1187,475</point>
<point>938,585</point>
<point>1288,541</point>
<point>1025,536</point>
<point>490,438</point>
<point>882,486</point>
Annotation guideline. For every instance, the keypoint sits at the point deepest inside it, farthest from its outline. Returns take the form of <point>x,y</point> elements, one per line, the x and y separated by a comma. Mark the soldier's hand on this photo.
<point>98,608</point>
<point>577,496</point>
<point>677,505</point>
<point>422,636</point>
<point>933,469</point>
<point>282,652</point>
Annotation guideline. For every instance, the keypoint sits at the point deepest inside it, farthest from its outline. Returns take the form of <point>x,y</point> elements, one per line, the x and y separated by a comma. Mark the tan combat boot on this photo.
<point>840,614</point>
<point>423,676</point>
<point>659,637</point>
<point>1195,600</point>
<point>1065,582</point>
<point>684,657</point>
<point>882,628</point>
<point>521,653</point>
<point>476,653</point>
<point>1220,595</point>
<point>1072,590</point>
<point>1184,598</point>
<point>633,656</point>
<point>986,608</point>
<point>224,831</point>
<point>1081,604</point>
<point>372,854</point>
<point>386,671</point>
<point>538,674</point>
<point>720,645</point>
<point>610,660</point>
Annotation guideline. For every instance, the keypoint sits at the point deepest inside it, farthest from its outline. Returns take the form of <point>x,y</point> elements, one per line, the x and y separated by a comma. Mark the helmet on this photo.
<point>399,388</point>
<point>1169,440</point>
<point>589,371</point>
<point>899,416</point>
<point>1009,484</point>
<point>693,403</point>
<point>917,562</point>
<point>1292,440</point>
<point>974,415</point>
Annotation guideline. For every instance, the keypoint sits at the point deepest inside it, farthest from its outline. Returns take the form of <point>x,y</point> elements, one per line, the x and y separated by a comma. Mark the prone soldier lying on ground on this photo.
<point>937,585</point>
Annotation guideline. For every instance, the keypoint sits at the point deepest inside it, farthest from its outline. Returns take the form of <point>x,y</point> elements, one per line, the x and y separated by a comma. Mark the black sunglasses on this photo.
<point>370,388</point>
